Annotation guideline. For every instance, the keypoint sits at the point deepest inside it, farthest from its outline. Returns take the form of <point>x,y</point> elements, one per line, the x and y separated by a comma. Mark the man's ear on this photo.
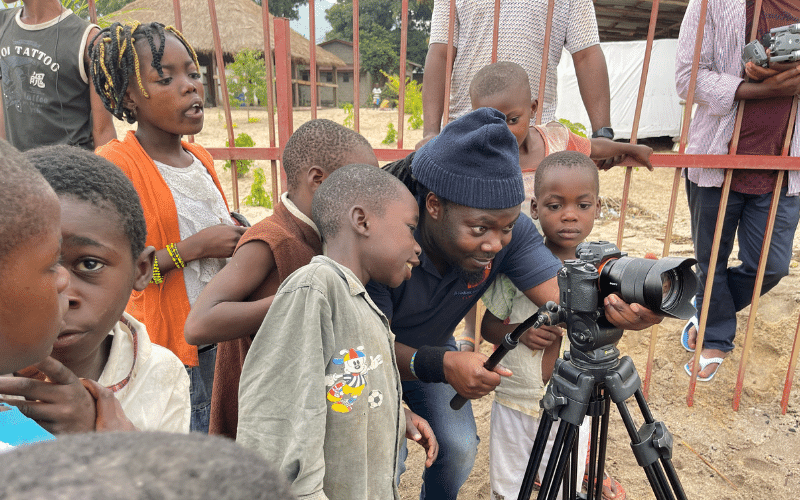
<point>314,177</point>
<point>535,209</point>
<point>534,106</point>
<point>597,210</point>
<point>144,268</point>
<point>359,220</point>
<point>434,206</point>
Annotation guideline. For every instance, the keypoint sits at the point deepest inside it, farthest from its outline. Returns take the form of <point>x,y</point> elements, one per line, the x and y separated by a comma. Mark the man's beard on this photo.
<point>471,277</point>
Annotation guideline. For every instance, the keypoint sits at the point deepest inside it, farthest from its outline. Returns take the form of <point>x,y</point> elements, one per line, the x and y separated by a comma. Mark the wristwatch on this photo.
<point>606,132</point>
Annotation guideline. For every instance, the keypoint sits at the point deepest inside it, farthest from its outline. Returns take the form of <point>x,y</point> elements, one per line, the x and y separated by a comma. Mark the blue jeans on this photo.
<point>201,380</point>
<point>456,433</point>
<point>746,216</point>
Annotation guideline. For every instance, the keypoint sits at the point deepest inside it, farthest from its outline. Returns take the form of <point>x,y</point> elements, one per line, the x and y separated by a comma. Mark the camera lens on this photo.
<point>665,286</point>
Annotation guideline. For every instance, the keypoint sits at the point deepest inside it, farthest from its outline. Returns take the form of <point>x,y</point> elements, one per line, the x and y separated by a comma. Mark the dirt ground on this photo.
<point>718,452</point>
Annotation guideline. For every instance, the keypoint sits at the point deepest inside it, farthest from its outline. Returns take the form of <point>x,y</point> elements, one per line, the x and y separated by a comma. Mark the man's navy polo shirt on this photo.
<point>426,309</point>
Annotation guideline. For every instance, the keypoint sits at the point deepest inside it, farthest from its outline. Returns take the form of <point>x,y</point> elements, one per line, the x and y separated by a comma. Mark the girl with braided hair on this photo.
<point>149,74</point>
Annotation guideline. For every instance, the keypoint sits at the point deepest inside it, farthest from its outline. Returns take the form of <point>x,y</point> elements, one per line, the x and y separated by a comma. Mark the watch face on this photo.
<point>606,132</point>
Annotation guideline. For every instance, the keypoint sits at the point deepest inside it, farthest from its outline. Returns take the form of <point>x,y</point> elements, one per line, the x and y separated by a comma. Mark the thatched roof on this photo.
<point>239,27</point>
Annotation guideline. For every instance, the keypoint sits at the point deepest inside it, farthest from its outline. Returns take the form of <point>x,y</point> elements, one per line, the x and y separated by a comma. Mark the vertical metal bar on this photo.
<point>93,12</point>
<point>701,329</point>
<point>401,75</point>
<point>762,262</point>
<point>176,10</point>
<point>545,56</point>
<point>787,385</point>
<point>723,206</point>
<point>451,54</point>
<point>496,31</point>
<point>312,66</point>
<point>283,87</point>
<point>270,100</point>
<point>212,10</point>
<point>356,70</point>
<point>634,134</point>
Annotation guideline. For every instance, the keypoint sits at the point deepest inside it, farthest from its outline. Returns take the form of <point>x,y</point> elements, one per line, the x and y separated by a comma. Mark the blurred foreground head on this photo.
<point>138,465</point>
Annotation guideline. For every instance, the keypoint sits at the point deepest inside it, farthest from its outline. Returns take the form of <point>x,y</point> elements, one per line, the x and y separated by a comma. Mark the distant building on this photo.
<point>342,78</point>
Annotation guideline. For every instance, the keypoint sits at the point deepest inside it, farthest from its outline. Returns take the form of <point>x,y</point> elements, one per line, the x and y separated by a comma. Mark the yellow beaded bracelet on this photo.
<point>157,279</point>
<point>172,248</point>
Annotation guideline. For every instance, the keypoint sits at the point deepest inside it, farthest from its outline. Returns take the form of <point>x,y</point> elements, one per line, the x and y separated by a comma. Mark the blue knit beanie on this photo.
<point>474,162</point>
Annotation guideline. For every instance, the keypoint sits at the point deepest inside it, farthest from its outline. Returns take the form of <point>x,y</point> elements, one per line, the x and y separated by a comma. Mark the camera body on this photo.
<point>665,286</point>
<point>783,44</point>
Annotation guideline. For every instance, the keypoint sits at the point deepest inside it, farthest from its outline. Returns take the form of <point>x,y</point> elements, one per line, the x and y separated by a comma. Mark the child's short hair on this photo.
<point>356,184</point>
<point>114,61</point>
<point>565,159</point>
<point>323,143</point>
<point>79,173</point>
<point>22,188</point>
<point>499,77</point>
<point>134,465</point>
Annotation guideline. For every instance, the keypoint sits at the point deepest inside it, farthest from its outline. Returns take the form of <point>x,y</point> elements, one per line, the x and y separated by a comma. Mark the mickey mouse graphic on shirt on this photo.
<point>344,393</point>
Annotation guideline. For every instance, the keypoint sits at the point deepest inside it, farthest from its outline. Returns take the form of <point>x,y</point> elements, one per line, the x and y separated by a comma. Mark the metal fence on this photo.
<point>280,98</point>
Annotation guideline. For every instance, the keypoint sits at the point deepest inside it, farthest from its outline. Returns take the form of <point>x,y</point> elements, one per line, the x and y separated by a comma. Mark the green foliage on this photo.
<point>250,73</point>
<point>349,119</point>
<point>241,141</point>
<point>380,29</point>
<point>285,8</point>
<point>576,128</point>
<point>253,119</point>
<point>258,196</point>
<point>413,98</point>
<point>391,134</point>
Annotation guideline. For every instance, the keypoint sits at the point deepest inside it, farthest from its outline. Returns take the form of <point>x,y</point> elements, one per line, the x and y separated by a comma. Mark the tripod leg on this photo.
<point>537,452</point>
<point>554,475</point>
<point>654,473</point>
<point>601,458</point>
<point>669,468</point>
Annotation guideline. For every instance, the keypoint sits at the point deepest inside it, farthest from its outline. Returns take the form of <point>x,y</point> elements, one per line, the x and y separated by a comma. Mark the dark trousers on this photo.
<point>746,217</point>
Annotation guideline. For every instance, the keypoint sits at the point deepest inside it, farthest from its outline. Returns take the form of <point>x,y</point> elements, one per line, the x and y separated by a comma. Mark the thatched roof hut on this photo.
<point>239,27</point>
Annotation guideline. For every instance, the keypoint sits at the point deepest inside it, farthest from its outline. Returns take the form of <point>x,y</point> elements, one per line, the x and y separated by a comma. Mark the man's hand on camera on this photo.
<point>466,373</point>
<point>540,338</point>
<point>629,316</point>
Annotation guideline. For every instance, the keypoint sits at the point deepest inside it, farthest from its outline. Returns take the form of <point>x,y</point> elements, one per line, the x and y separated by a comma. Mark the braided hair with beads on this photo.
<point>114,60</point>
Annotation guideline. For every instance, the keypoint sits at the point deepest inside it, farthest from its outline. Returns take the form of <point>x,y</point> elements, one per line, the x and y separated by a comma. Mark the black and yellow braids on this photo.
<point>114,60</point>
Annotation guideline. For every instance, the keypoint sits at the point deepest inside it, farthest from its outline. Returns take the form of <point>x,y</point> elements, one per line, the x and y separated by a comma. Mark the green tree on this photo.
<point>380,30</point>
<point>250,79</point>
<point>285,8</point>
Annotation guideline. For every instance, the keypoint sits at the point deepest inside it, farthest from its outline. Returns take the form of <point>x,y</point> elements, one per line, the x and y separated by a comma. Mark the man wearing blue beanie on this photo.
<point>469,188</point>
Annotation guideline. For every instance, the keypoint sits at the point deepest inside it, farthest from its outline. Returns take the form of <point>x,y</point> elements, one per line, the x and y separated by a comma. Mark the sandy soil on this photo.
<point>718,452</point>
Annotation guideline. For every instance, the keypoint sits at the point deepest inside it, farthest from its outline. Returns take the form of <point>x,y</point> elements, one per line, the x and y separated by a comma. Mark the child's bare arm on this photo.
<point>418,429</point>
<point>617,151</point>
<point>221,312</point>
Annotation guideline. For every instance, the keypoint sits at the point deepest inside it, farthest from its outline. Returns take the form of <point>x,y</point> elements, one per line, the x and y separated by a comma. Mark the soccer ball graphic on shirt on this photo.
<point>374,399</point>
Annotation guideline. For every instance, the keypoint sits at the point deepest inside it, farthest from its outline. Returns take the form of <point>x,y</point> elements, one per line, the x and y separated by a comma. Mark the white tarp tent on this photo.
<point>661,109</point>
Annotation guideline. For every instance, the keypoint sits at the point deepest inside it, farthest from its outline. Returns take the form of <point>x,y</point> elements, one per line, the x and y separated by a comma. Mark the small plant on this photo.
<point>576,128</point>
<point>413,98</point>
<point>242,141</point>
<point>249,82</point>
<point>258,196</point>
<point>347,107</point>
<point>253,120</point>
<point>233,125</point>
<point>391,135</point>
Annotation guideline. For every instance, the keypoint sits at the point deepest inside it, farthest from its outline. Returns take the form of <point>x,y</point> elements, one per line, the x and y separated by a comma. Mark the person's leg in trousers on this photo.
<point>741,279</point>
<point>704,207</point>
<point>454,429</point>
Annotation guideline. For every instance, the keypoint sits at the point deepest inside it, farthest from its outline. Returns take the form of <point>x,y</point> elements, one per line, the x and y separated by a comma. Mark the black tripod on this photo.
<point>585,385</point>
<point>584,382</point>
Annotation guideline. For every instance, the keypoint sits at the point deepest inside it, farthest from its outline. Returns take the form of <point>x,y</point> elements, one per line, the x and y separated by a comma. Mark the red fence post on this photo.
<point>283,87</point>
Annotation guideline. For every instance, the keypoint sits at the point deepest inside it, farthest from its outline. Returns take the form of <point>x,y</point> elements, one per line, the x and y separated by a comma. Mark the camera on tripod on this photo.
<point>783,44</point>
<point>665,286</point>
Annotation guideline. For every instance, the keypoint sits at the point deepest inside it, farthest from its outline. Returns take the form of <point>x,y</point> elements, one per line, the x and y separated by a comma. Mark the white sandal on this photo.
<point>704,362</point>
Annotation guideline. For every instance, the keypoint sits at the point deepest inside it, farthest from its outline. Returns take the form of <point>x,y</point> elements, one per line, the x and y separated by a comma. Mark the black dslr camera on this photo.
<point>665,286</point>
<point>783,44</point>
